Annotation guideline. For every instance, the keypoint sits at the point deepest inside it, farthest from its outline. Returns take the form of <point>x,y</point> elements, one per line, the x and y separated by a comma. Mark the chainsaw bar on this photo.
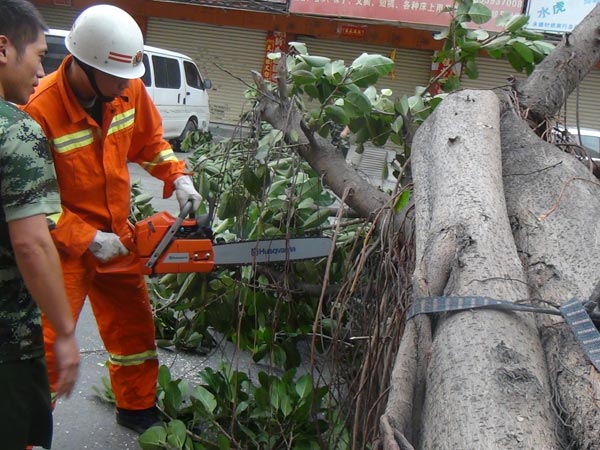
<point>271,250</point>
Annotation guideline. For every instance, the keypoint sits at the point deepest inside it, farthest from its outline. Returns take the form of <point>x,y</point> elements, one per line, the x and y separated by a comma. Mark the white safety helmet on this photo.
<point>108,39</point>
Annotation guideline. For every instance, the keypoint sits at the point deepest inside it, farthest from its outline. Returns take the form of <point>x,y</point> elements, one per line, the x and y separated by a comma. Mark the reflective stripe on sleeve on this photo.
<point>132,360</point>
<point>53,219</point>
<point>122,121</point>
<point>73,141</point>
<point>164,156</point>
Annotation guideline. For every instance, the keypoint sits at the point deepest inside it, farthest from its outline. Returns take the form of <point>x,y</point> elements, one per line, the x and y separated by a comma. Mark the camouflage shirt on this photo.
<point>28,187</point>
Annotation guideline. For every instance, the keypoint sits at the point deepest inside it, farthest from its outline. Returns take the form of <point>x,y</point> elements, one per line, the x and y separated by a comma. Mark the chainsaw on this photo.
<point>182,244</point>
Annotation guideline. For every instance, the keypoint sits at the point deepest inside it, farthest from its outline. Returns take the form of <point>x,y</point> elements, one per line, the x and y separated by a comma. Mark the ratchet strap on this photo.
<point>573,312</point>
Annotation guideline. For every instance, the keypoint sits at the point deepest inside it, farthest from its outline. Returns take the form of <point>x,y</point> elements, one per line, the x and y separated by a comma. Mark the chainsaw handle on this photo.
<point>205,220</point>
<point>186,210</point>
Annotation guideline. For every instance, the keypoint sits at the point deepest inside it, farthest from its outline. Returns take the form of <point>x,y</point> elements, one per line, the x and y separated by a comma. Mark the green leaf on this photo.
<point>381,64</point>
<point>415,103</point>
<point>366,69</point>
<point>517,22</point>
<point>164,376</point>
<point>176,433</point>
<point>337,114</point>
<point>470,46</point>
<point>302,77</point>
<point>401,105</point>
<point>294,137</point>
<point>398,124</point>
<point>479,13</point>
<point>524,51</point>
<point>172,399</point>
<point>251,181</point>
<point>545,47</point>
<point>299,47</point>
<point>402,201</point>
<point>304,386</point>
<point>530,35</point>
<point>357,104</point>
<point>223,442</point>
<point>471,69</point>
<point>153,438</point>
<point>478,34</point>
<point>497,44</point>
<point>316,219</point>
<point>515,60</point>
<point>285,403</point>
<point>205,397</point>
<point>335,71</point>
<point>315,61</point>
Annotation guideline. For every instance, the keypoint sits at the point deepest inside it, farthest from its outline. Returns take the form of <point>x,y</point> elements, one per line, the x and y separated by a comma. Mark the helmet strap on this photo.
<point>91,76</point>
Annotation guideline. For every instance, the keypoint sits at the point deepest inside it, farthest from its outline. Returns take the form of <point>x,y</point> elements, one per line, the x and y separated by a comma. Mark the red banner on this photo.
<point>422,12</point>
<point>276,41</point>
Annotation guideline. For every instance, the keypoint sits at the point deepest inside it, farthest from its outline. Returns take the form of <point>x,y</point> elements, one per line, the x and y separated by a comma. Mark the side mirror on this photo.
<point>207,84</point>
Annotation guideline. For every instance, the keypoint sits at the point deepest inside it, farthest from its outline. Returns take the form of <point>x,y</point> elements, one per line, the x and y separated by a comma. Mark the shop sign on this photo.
<point>420,12</point>
<point>557,15</point>
<point>276,41</point>
<point>354,31</point>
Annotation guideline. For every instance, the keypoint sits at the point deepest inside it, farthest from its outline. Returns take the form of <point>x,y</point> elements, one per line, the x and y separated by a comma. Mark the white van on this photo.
<point>172,80</point>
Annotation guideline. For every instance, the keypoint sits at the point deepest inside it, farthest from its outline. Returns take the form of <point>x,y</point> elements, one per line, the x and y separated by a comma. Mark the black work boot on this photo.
<point>138,420</point>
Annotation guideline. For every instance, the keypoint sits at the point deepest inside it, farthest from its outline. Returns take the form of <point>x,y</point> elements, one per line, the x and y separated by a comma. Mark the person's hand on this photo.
<point>67,363</point>
<point>107,246</point>
<point>185,190</point>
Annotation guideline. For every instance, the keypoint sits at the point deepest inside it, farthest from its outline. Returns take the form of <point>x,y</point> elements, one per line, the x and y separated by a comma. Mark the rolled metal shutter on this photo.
<point>495,72</point>
<point>57,17</point>
<point>225,55</point>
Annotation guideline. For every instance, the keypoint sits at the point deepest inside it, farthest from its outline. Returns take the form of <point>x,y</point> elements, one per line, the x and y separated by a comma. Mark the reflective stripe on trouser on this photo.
<point>122,310</point>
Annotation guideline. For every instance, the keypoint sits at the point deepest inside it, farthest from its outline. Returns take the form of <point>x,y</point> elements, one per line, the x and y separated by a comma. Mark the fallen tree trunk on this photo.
<point>487,383</point>
<point>554,207</point>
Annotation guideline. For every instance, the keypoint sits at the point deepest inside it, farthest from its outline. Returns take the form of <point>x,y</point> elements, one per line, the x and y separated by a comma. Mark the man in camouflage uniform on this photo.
<point>29,265</point>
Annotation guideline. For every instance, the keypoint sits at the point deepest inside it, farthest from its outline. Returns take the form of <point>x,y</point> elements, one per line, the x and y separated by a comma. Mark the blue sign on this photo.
<point>558,16</point>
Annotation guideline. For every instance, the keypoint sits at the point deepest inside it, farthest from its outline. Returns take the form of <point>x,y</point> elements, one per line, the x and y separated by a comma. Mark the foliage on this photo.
<point>140,203</point>
<point>346,96</point>
<point>267,191</point>
<point>227,410</point>
<point>194,139</point>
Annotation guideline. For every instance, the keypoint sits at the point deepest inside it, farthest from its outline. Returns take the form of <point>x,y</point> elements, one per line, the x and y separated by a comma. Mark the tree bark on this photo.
<point>487,383</point>
<point>559,242</point>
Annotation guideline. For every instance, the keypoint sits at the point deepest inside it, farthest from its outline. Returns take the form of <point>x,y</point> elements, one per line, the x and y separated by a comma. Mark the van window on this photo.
<point>56,52</point>
<point>192,76</point>
<point>147,78</point>
<point>166,72</point>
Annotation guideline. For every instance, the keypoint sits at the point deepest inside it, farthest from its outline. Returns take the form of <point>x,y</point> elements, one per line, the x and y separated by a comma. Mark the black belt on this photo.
<point>573,311</point>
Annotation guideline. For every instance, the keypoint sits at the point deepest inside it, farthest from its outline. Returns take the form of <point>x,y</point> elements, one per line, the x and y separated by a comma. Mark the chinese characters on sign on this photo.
<point>355,31</point>
<point>423,12</point>
<point>275,42</point>
<point>558,15</point>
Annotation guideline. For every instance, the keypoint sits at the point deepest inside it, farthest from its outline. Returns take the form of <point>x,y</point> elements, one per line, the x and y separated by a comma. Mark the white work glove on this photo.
<point>107,246</point>
<point>185,190</point>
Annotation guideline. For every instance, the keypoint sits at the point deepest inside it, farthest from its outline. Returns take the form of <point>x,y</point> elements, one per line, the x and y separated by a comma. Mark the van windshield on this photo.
<point>192,76</point>
<point>591,144</point>
<point>56,52</point>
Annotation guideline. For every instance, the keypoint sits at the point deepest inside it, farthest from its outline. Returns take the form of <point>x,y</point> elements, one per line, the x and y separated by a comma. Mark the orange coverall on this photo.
<point>91,167</point>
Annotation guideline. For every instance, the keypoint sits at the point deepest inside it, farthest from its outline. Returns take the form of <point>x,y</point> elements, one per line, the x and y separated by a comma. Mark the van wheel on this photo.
<point>190,126</point>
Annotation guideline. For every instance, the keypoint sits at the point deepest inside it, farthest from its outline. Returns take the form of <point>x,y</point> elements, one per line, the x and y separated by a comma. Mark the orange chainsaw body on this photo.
<point>184,254</point>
